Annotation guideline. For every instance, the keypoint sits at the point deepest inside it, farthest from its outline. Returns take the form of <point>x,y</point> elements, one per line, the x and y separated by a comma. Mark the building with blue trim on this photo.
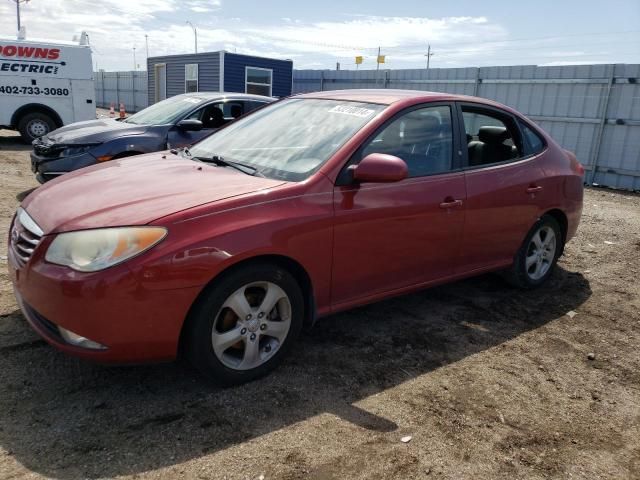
<point>218,72</point>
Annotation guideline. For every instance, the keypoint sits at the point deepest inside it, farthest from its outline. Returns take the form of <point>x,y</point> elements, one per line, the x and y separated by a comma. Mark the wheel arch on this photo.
<point>292,266</point>
<point>560,217</point>
<point>35,108</point>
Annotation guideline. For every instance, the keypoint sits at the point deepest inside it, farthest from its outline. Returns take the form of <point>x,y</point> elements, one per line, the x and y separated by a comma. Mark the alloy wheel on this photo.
<point>541,253</point>
<point>251,325</point>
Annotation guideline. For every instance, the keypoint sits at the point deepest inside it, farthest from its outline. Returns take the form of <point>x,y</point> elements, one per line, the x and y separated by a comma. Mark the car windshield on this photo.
<point>291,139</point>
<point>166,111</point>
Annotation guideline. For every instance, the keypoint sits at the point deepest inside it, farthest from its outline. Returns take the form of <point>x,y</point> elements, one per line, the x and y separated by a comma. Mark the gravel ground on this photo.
<point>489,382</point>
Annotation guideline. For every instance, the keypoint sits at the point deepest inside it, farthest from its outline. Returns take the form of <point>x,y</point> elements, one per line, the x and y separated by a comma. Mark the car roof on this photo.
<point>228,95</point>
<point>389,96</point>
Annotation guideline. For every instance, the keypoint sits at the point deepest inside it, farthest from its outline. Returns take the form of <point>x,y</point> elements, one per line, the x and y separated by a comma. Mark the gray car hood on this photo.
<point>93,131</point>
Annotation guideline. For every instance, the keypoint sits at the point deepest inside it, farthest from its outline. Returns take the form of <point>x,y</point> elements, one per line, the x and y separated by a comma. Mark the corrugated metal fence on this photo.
<point>592,110</point>
<point>114,88</point>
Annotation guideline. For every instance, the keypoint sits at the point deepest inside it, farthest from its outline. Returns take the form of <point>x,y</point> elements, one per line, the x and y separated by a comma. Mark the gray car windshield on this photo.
<point>166,111</point>
<point>291,139</point>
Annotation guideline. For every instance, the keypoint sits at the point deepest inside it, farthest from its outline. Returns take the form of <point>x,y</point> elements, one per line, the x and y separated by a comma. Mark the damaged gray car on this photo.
<point>172,123</point>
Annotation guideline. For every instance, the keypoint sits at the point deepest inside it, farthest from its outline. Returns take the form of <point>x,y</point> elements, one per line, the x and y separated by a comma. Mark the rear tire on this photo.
<point>538,255</point>
<point>244,324</point>
<point>34,125</point>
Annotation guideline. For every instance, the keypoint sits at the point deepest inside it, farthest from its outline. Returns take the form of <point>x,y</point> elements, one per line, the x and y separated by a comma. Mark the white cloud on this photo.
<point>202,6</point>
<point>116,26</point>
<point>367,32</point>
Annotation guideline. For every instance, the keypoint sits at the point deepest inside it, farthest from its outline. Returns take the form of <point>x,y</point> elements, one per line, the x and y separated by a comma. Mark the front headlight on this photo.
<point>71,151</point>
<point>93,250</point>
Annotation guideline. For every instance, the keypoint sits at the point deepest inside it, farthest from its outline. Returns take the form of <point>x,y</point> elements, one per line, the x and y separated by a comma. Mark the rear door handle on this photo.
<point>534,189</point>
<point>450,203</point>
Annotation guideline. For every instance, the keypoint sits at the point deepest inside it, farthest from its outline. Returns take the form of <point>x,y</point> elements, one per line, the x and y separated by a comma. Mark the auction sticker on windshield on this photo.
<point>351,110</point>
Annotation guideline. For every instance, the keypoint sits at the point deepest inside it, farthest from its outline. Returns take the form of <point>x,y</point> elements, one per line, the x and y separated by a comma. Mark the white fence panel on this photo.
<point>114,88</point>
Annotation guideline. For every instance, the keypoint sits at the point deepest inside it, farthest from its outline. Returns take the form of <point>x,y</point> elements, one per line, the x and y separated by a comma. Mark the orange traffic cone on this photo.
<point>122,112</point>
<point>112,111</point>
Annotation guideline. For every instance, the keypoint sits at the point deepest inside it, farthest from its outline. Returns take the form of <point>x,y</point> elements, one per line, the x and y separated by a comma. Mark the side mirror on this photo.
<point>379,168</point>
<point>190,125</point>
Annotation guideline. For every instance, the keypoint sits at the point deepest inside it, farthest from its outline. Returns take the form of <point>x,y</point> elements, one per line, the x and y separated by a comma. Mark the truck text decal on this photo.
<point>29,52</point>
<point>22,59</point>
<point>19,90</point>
<point>25,68</point>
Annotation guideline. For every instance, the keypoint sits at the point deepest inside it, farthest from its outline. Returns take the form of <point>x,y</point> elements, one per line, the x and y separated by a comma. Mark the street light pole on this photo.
<point>195,34</point>
<point>134,60</point>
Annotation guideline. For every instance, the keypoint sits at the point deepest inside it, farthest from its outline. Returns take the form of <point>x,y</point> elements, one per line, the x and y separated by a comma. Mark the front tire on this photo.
<point>34,125</point>
<point>245,324</point>
<point>538,255</point>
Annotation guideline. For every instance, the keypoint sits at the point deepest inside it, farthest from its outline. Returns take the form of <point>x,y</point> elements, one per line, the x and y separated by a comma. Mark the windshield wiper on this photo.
<point>221,162</point>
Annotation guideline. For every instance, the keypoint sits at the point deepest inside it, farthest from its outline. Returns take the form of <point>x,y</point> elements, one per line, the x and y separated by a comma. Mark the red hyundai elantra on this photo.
<point>312,205</point>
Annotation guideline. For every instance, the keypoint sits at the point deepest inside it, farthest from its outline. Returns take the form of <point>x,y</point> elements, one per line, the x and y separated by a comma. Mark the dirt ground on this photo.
<point>490,382</point>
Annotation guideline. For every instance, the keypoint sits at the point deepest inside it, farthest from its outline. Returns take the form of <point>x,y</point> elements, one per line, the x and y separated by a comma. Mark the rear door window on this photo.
<point>491,137</point>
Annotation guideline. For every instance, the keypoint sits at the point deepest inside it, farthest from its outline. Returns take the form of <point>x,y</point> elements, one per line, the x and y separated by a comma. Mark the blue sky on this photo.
<point>319,34</point>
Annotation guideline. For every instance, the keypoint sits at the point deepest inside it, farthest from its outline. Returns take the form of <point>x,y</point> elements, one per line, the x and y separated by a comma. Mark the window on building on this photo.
<point>258,81</point>
<point>191,78</point>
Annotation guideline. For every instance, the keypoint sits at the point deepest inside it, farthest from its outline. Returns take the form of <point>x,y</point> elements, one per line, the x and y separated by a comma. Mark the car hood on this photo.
<point>134,191</point>
<point>93,131</point>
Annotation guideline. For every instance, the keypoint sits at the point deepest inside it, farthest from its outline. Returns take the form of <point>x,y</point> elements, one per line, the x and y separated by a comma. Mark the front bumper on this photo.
<point>47,168</point>
<point>112,307</point>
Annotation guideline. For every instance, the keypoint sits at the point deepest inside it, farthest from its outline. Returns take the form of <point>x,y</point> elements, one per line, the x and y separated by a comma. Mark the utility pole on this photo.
<point>134,60</point>
<point>18,2</point>
<point>428,55</point>
<point>195,34</point>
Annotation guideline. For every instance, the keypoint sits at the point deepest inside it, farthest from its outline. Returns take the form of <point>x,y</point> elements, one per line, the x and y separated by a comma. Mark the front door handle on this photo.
<point>450,203</point>
<point>534,189</point>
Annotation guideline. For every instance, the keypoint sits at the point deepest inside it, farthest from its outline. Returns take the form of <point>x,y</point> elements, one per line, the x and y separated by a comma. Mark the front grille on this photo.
<point>23,241</point>
<point>52,151</point>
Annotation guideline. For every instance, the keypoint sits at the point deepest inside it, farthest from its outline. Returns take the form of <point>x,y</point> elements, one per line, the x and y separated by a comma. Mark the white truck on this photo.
<point>45,85</point>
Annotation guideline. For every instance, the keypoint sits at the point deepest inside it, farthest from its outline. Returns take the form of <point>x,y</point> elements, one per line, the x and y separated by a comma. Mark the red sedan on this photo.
<point>312,205</point>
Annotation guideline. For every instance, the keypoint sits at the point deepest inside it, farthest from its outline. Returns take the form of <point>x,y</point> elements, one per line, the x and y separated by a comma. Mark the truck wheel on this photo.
<point>34,125</point>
